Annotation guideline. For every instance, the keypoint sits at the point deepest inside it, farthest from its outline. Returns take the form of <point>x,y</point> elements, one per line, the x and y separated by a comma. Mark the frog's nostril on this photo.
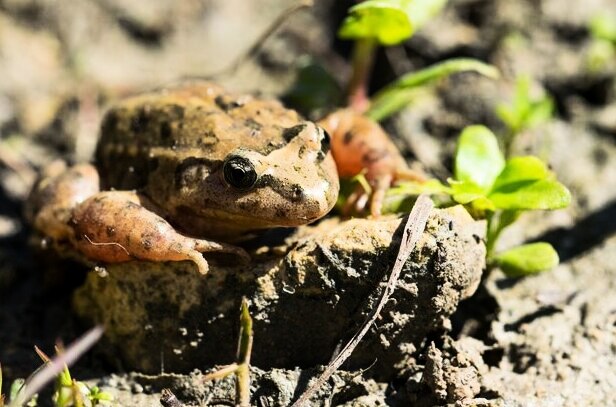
<point>297,193</point>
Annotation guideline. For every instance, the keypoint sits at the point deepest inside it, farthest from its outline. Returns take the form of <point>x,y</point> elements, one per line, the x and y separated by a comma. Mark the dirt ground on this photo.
<point>546,340</point>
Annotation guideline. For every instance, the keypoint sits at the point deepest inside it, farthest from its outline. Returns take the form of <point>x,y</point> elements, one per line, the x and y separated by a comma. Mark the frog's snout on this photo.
<point>316,200</point>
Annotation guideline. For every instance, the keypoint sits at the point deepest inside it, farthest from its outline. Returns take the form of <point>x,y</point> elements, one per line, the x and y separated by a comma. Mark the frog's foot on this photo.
<point>113,227</point>
<point>203,246</point>
<point>361,198</point>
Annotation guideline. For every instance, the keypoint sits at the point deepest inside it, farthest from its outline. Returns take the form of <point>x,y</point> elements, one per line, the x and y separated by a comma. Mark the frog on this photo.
<point>193,168</point>
<point>184,170</point>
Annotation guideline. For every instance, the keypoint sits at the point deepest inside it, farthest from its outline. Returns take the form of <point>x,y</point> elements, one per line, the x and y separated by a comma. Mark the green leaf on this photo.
<point>422,11</point>
<point>431,186</point>
<point>531,194</point>
<point>527,259</point>
<point>17,387</point>
<point>541,111</point>
<point>388,21</point>
<point>399,94</point>
<point>401,197</point>
<point>394,101</point>
<point>478,157</point>
<point>603,27</point>
<point>385,21</point>
<point>525,110</point>
<point>526,168</point>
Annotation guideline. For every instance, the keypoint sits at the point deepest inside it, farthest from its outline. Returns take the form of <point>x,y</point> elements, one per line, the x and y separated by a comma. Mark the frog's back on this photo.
<point>193,121</point>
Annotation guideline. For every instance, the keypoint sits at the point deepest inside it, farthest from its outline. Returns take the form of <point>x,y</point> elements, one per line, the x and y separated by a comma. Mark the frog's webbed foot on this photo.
<point>113,227</point>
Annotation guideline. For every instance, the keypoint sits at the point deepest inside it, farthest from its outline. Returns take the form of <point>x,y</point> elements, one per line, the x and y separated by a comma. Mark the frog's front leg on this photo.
<point>114,226</point>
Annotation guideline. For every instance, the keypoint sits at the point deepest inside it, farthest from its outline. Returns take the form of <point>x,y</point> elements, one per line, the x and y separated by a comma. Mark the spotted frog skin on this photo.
<point>180,166</point>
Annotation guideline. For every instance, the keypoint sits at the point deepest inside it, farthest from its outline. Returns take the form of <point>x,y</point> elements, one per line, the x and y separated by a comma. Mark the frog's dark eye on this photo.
<point>239,172</point>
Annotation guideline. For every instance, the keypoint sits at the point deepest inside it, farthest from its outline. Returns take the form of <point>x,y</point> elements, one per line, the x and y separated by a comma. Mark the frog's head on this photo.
<point>289,181</point>
<point>294,184</point>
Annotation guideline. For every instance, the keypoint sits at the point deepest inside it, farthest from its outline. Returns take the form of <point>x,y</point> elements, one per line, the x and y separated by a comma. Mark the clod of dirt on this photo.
<point>454,373</point>
<point>303,303</point>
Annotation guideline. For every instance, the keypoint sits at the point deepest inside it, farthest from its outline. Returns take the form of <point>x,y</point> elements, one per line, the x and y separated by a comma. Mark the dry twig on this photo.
<point>414,228</point>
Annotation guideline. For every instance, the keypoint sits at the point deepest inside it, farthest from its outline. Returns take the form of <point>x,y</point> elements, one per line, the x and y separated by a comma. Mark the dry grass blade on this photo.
<point>258,44</point>
<point>1,395</point>
<point>57,364</point>
<point>414,228</point>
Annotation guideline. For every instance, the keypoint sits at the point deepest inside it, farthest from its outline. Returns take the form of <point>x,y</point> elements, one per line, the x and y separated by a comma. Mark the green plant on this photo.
<point>68,391</point>
<point>389,22</point>
<point>602,49</point>
<point>499,191</point>
<point>71,392</point>
<point>241,368</point>
<point>525,111</point>
<point>15,391</point>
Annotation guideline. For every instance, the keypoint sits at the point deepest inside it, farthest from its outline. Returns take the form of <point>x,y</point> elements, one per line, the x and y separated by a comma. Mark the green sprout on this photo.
<point>71,392</point>
<point>68,391</point>
<point>241,368</point>
<point>389,22</point>
<point>524,112</point>
<point>498,191</point>
<point>602,50</point>
<point>15,392</point>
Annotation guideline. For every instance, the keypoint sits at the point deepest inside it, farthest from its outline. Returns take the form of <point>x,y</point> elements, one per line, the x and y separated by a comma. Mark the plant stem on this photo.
<point>243,356</point>
<point>363,60</point>
<point>241,368</point>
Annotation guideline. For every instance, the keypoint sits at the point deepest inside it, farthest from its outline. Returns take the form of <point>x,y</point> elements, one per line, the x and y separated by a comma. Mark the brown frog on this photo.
<point>191,162</point>
<point>182,164</point>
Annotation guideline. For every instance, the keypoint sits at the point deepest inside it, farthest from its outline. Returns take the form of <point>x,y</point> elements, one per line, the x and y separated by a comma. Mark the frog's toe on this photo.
<point>204,246</point>
<point>356,202</point>
<point>199,261</point>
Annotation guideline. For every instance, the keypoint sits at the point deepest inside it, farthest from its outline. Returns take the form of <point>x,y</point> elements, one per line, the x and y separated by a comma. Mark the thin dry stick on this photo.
<point>256,46</point>
<point>57,364</point>
<point>414,228</point>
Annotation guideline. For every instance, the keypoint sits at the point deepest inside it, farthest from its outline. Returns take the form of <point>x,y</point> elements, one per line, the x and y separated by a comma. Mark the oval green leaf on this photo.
<point>527,168</point>
<point>399,93</point>
<point>531,194</point>
<point>478,157</point>
<point>527,259</point>
<point>421,11</point>
<point>385,21</point>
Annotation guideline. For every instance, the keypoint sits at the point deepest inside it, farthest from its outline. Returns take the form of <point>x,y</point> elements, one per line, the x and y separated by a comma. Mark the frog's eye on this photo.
<point>239,172</point>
